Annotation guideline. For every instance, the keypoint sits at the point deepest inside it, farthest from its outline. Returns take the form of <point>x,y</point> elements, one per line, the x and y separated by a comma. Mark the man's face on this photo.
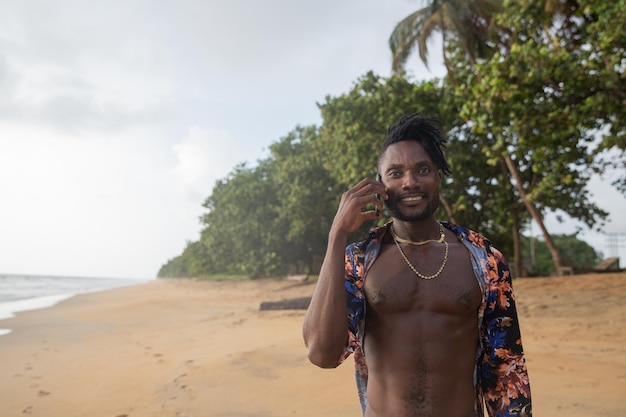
<point>412,180</point>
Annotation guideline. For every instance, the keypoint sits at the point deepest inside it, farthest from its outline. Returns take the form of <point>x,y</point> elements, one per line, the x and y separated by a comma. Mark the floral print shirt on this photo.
<point>500,377</point>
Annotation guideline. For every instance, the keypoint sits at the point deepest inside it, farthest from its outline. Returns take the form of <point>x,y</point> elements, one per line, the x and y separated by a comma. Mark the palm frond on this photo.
<point>405,36</point>
<point>468,21</point>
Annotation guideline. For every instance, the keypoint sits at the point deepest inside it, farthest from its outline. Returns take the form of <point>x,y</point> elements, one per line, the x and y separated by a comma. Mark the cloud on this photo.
<point>204,156</point>
<point>96,206</point>
<point>117,117</point>
<point>66,100</point>
<point>100,67</point>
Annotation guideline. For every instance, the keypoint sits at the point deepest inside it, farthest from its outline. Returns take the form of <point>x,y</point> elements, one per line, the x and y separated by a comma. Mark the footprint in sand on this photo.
<point>178,378</point>
<point>235,323</point>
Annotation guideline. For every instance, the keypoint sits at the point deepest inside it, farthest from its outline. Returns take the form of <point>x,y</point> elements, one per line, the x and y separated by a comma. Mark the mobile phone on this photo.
<point>376,210</point>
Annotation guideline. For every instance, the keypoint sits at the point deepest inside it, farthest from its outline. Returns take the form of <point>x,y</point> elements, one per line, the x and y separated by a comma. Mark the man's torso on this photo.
<point>421,335</point>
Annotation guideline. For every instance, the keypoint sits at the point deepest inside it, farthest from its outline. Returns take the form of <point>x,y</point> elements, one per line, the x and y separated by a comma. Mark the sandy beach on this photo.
<point>185,348</point>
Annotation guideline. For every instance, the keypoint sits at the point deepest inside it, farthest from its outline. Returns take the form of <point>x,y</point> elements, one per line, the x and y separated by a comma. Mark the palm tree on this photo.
<point>468,21</point>
<point>469,24</point>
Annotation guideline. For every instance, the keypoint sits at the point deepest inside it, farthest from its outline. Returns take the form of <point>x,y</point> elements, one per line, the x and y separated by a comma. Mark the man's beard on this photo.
<point>394,210</point>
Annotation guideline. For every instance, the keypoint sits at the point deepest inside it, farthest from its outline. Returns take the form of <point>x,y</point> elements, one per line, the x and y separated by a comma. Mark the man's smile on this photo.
<point>412,198</point>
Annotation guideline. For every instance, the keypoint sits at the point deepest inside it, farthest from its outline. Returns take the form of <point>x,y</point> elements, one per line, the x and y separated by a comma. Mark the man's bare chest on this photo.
<point>391,286</point>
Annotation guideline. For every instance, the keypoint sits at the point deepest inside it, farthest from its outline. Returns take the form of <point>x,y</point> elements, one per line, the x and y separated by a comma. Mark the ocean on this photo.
<point>31,292</point>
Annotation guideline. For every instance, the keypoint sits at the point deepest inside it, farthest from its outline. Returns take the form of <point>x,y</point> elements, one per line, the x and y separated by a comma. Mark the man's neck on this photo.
<point>417,231</point>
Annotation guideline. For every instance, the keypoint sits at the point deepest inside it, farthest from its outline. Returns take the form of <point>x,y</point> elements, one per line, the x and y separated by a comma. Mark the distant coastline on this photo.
<point>32,292</point>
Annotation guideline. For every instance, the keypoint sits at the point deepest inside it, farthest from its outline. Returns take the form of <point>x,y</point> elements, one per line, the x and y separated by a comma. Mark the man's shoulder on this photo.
<point>477,244</point>
<point>373,236</point>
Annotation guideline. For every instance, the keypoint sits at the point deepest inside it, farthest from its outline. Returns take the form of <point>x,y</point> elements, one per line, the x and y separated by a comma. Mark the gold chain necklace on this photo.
<point>412,242</point>
<point>422,276</point>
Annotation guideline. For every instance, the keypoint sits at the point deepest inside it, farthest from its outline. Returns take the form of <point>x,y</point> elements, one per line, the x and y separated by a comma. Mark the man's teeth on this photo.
<point>416,198</point>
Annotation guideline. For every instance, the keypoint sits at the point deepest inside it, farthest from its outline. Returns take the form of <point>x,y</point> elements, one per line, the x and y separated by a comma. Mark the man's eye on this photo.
<point>424,170</point>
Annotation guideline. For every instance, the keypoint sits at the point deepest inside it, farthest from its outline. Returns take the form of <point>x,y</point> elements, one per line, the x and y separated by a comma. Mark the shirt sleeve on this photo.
<point>503,373</point>
<point>354,299</point>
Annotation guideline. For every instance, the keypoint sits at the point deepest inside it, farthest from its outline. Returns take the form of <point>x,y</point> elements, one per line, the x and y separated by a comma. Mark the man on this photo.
<point>441,336</point>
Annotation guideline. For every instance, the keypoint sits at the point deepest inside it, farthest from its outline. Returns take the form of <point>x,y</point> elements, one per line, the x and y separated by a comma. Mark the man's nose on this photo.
<point>410,180</point>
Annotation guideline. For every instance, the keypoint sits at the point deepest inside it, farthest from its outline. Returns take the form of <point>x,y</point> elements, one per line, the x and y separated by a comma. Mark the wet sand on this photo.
<point>185,348</point>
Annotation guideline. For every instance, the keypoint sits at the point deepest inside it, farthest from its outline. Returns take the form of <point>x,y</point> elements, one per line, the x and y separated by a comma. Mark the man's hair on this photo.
<point>419,129</point>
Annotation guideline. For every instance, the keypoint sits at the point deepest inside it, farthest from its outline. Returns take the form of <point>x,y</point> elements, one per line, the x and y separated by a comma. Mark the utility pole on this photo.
<point>615,242</point>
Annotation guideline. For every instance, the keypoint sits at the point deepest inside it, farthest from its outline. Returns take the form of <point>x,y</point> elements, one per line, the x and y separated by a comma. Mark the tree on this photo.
<point>576,252</point>
<point>604,53</point>
<point>471,25</point>
<point>550,92</point>
<point>307,195</point>
<point>467,22</point>
<point>242,215</point>
<point>530,100</point>
<point>354,126</point>
<point>482,195</point>
<point>355,123</point>
<point>268,220</point>
<point>193,262</point>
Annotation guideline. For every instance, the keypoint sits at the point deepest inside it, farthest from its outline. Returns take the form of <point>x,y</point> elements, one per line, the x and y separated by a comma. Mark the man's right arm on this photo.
<point>325,328</point>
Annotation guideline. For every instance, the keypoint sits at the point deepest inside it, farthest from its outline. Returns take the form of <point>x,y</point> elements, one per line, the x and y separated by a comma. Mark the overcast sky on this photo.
<point>117,117</point>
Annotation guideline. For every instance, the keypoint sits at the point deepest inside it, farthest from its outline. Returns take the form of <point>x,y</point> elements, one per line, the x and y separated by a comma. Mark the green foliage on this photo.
<point>308,197</point>
<point>465,22</point>
<point>555,81</point>
<point>193,262</point>
<point>355,124</point>
<point>480,190</point>
<point>529,102</point>
<point>605,56</point>
<point>530,121</point>
<point>268,220</point>
<point>576,253</point>
<point>242,213</point>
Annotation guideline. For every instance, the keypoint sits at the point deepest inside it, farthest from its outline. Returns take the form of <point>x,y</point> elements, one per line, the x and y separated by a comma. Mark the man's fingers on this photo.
<point>356,204</point>
<point>370,215</point>
<point>368,186</point>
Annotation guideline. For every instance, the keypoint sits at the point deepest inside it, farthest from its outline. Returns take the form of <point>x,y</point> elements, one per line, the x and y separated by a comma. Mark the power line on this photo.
<point>615,242</point>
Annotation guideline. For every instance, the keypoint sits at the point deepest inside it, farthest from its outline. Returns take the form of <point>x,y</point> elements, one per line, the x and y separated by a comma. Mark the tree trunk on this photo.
<point>517,267</point>
<point>517,248</point>
<point>534,213</point>
<point>447,208</point>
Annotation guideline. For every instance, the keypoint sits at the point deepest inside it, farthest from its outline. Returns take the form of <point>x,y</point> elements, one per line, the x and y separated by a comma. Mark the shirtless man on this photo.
<point>441,338</point>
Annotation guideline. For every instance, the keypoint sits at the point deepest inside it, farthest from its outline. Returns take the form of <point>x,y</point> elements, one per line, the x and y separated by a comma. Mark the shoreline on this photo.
<point>187,348</point>
<point>44,297</point>
<point>10,308</point>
